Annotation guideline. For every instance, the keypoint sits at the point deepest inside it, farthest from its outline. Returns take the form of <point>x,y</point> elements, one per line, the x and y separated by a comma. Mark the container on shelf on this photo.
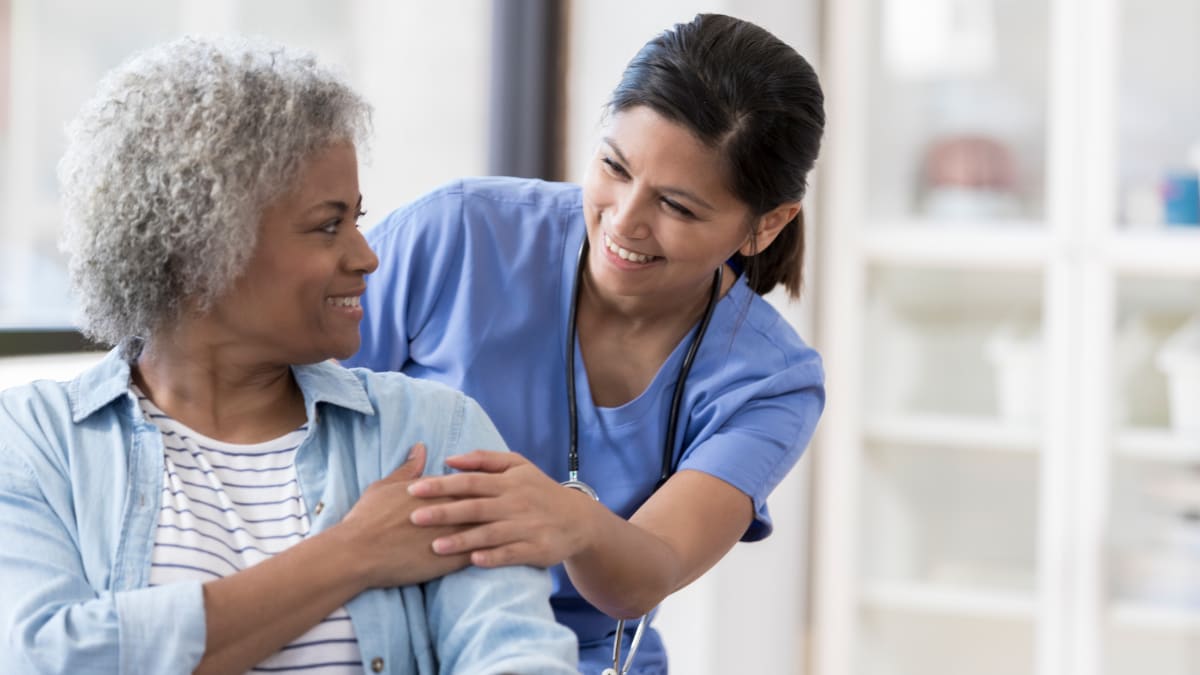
<point>1181,198</point>
<point>1179,360</point>
<point>1160,568</point>
<point>970,177</point>
<point>1018,361</point>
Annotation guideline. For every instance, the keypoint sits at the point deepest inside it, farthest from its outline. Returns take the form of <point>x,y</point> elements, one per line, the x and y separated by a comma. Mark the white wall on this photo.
<point>424,67</point>
<point>747,614</point>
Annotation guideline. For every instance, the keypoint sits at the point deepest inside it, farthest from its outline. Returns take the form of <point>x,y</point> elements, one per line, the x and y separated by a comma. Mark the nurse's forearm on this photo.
<point>624,571</point>
<point>627,568</point>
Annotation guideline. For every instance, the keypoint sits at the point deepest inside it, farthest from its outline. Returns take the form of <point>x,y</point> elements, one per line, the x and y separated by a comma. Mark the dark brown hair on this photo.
<point>743,91</point>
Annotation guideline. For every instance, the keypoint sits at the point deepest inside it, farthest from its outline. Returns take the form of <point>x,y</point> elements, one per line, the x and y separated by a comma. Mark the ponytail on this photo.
<point>780,263</point>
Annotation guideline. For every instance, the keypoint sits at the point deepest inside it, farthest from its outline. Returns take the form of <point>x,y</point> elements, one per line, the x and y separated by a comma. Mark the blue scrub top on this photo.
<point>473,290</point>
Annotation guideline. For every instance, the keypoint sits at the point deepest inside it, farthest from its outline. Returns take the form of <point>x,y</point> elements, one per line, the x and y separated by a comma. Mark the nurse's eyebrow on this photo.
<point>678,192</point>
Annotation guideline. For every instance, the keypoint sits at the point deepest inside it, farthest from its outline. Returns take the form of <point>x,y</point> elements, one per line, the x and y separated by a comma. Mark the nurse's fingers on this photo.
<point>519,553</point>
<point>460,512</point>
<point>471,484</point>
<point>490,461</point>
<point>501,543</point>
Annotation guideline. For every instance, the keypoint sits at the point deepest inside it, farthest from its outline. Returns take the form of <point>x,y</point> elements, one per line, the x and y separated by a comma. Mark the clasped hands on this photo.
<point>498,510</point>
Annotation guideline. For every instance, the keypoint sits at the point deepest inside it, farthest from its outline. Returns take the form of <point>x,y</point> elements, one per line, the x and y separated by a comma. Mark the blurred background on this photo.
<point>1004,282</point>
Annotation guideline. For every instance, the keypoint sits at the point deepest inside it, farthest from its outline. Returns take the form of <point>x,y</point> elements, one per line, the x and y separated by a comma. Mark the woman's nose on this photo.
<point>630,218</point>
<point>360,258</point>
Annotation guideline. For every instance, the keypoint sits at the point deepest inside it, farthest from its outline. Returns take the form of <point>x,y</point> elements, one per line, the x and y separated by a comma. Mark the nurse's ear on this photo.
<point>768,226</point>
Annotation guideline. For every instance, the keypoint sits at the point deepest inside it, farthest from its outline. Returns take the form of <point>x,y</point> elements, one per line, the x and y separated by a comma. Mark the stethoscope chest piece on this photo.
<point>582,487</point>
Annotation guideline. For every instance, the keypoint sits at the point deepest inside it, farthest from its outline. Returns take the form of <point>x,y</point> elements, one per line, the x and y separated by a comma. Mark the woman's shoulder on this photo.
<point>42,423</point>
<point>475,201</point>
<point>759,333</point>
<point>411,410</point>
<point>528,192</point>
<point>389,390</point>
<point>41,404</point>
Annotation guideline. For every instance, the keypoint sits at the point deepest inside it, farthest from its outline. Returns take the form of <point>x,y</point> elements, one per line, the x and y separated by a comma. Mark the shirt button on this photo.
<point>377,665</point>
<point>317,511</point>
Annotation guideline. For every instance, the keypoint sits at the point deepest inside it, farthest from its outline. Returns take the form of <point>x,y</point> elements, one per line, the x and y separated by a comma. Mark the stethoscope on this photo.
<point>668,452</point>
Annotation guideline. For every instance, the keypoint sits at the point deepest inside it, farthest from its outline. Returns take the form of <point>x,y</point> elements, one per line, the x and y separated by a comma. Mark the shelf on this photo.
<point>1000,245</point>
<point>923,598</point>
<point>1141,616</point>
<point>968,433</point>
<point>18,370</point>
<point>1163,252</point>
<point>1157,445</point>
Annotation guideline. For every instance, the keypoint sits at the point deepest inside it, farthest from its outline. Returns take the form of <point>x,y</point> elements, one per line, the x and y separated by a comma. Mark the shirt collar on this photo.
<point>329,382</point>
<point>98,386</point>
<point>324,382</point>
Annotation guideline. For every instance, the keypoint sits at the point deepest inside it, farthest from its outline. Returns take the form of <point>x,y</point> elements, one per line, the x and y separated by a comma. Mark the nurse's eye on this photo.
<point>614,168</point>
<point>678,208</point>
<point>331,226</point>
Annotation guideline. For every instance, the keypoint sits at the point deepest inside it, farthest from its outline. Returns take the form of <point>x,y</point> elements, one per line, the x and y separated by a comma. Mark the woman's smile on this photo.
<point>625,255</point>
<point>346,306</point>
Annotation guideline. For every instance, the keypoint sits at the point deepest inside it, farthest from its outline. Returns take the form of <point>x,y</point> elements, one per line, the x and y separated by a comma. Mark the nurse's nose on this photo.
<point>631,217</point>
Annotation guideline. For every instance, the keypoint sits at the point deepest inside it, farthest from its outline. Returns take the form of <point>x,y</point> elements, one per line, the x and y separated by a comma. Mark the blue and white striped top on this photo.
<point>226,507</point>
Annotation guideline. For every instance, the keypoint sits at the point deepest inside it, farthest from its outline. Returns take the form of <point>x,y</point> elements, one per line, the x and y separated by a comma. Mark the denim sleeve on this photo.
<point>496,620</point>
<point>52,620</point>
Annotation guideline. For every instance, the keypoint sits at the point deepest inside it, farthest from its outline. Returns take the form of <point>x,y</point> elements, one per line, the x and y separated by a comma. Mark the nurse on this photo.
<point>569,312</point>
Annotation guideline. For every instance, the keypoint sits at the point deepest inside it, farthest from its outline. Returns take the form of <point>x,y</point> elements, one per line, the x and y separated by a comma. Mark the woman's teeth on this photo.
<point>626,254</point>
<point>345,301</point>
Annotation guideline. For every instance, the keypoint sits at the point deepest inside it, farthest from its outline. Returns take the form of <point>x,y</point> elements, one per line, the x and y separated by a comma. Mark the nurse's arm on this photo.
<point>622,567</point>
<point>674,538</point>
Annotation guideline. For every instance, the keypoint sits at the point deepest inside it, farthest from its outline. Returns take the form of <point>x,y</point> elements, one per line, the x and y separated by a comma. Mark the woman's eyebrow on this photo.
<point>337,204</point>
<point>675,191</point>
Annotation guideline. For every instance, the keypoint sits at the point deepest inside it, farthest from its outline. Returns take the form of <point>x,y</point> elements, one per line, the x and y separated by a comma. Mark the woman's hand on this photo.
<point>521,515</point>
<point>392,550</point>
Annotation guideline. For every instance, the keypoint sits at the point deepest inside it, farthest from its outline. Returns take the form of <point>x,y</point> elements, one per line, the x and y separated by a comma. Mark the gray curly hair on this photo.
<point>169,166</point>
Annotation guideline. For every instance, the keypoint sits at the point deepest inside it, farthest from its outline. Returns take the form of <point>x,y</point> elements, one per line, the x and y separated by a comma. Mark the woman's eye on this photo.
<point>678,208</point>
<point>614,168</point>
<point>331,227</point>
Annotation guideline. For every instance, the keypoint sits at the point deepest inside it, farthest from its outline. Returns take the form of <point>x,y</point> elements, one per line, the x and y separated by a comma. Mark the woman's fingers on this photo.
<point>413,466</point>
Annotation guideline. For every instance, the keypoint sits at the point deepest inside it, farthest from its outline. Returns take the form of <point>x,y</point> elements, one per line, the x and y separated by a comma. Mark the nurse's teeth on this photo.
<point>346,301</point>
<point>626,254</point>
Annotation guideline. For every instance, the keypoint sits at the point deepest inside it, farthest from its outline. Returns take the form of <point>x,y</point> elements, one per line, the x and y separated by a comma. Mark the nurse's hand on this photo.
<point>393,551</point>
<point>521,515</point>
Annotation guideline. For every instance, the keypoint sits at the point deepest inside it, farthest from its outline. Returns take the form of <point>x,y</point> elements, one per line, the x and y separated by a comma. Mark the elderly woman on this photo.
<point>216,496</point>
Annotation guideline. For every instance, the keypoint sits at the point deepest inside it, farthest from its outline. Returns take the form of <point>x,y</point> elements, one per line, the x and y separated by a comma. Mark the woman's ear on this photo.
<point>768,227</point>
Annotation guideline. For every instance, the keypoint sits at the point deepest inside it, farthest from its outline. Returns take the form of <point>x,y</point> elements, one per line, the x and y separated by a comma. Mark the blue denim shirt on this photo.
<point>80,478</point>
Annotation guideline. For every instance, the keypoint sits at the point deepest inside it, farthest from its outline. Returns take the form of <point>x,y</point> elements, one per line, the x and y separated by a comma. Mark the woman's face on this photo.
<point>298,299</point>
<point>659,216</point>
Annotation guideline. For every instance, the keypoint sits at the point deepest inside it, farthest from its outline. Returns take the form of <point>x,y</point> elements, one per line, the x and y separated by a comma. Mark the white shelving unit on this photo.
<point>1002,487</point>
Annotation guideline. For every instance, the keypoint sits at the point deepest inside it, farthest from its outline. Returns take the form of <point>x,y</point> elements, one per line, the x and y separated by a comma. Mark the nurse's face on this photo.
<point>298,300</point>
<point>659,216</point>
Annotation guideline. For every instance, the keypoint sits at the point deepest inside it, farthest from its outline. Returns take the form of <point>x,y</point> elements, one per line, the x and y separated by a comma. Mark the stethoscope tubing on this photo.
<point>668,453</point>
<point>669,464</point>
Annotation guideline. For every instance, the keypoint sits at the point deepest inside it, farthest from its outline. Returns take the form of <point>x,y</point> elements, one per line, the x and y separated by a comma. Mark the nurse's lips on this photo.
<point>626,254</point>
